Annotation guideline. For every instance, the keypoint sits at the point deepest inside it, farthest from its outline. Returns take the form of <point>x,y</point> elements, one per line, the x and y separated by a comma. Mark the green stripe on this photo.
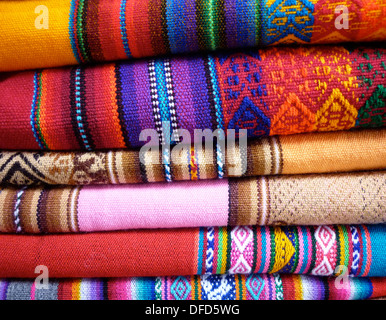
<point>79,29</point>
<point>273,249</point>
<point>38,110</point>
<point>346,248</point>
<point>257,21</point>
<point>338,254</point>
<point>211,24</point>
<point>240,287</point>
<point>196,287</point>
<point>219,251</point>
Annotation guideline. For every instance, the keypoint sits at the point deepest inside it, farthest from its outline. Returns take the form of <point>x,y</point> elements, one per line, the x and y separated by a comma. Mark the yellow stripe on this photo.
<point>75,295</point>
<point>224,250</point>
<point>298,288</point>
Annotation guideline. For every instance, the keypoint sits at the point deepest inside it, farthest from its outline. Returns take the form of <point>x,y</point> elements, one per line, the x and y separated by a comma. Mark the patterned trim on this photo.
<point>282,245</point>
<point>122,18</point>
<point>35,110</point>
<point>154,100</point>
<point>233,90</point>
<point>229,287</point>
<point>78,104</point>
<point>16,211</point>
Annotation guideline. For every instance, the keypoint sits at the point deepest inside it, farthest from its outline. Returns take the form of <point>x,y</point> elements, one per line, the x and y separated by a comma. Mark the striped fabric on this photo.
<point>104,30</point>
<point>322,152</point>
<point>355,250</point>
<point>211,287</point>
<point>264,92</point>
<point>348,198</point>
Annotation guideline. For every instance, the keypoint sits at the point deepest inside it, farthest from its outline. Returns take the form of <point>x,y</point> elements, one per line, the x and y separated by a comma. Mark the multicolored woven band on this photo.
<point>356,250</point>
<point>63,32</point>
<point>209,287</point>
<point>293,154</point>
<point>349,198</point>
<point>275,91</point>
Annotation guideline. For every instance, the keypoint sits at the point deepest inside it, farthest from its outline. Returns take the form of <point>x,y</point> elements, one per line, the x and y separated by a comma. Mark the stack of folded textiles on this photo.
<point>294,209</point>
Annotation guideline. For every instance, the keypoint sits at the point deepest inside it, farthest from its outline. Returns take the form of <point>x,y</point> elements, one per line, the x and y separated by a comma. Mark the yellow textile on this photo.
<point>23,46</point>
<point>331,151</point>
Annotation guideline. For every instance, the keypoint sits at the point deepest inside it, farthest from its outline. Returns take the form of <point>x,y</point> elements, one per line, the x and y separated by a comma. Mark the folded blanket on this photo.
<point>356,250</point>
<point>209,287</point>
<point>48,33</point>
<point>293,154</point>
<point>274,91</point>
<point>277,200</point>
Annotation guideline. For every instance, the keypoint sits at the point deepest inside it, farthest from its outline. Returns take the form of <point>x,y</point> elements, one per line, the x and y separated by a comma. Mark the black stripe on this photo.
<point>222,25</point>
<point>211,100</point>
<point>40,215</point>
<point>313,248</point>
<point>105,285</point>
<point>164,26</point>
<point>83,110</point>
<point>121,116</point>
<point>73,108</point>
<point>200,25</point>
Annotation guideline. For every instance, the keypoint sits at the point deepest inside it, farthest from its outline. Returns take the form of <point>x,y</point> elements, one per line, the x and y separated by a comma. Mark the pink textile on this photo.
<point>117,207</point>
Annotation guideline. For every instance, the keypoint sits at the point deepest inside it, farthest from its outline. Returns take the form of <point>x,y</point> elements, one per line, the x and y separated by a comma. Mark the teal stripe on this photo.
<point>216,92</point>
<point>159,69</point>
<point>263,249</point>
<point>200,250</point>
<point>364,250</point>
<point>305,245</point>
<point>378,256</point>
<point>361,288</point>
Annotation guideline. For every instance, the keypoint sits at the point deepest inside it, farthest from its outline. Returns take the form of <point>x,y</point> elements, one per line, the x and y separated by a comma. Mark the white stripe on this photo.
<point>110,166</point>
<point>85,289</point>
<point>307,288</point>
<point>72,213</point>
<point>277,156</point>
<point>264,200</point>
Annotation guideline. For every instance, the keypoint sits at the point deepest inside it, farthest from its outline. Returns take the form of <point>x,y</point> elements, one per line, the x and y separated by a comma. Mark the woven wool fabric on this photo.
<point>267,92</point>
<point>80,31</point>
<point>210,287</point>
<point>356,250</point>
<point>276,200</point>
<point>293,154</point>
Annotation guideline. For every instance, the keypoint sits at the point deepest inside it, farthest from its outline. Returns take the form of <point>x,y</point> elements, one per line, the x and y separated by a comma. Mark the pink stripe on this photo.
<point>119,289</point>
<point>267,249</point>
<point>33,291</point>
<point>259,250</point>
<point>122,207</point>
<point>368,251</point>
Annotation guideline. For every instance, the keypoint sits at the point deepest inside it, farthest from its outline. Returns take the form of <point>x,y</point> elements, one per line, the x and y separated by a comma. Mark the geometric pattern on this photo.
<point>218,287</point>
<point>255,285</point>
<point>242,251</point>
<point>287,21</point>
<point>292,117</point>
<point>244,287</point>
<point>373,112</point>
<point>325,246</point>
<point>336,113</point>
<point>180,288</point>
